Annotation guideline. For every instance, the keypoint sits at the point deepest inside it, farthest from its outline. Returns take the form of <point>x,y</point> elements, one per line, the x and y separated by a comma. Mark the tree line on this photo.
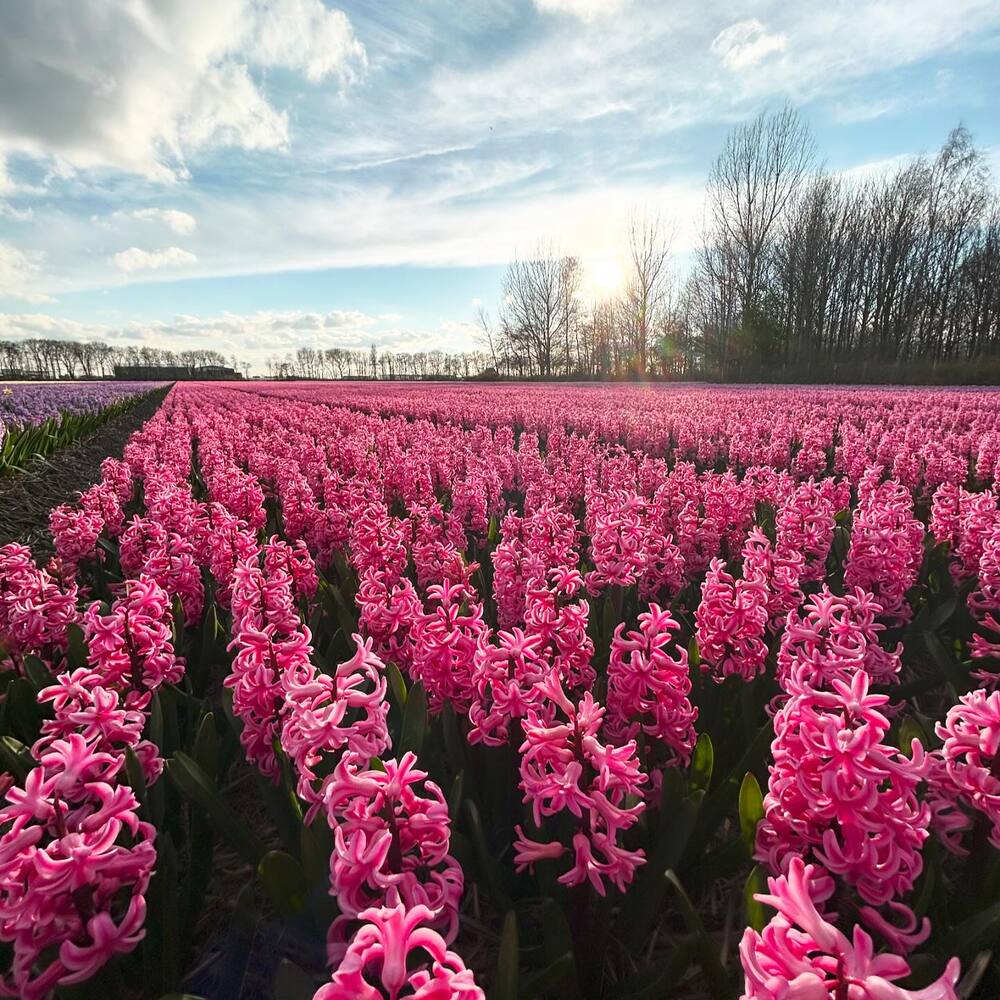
<point>48,358</point>
<point>373,363</point>
<point>799,271</point>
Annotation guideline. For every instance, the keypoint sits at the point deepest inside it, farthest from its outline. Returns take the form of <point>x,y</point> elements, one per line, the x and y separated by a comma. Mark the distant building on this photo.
<point>174,373</point>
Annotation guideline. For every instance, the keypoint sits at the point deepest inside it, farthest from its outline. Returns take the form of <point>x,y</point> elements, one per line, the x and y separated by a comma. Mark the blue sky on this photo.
<point>259,175</point>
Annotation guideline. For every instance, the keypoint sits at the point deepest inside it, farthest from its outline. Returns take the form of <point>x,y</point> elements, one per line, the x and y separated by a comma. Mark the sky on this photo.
<point>255,176</point>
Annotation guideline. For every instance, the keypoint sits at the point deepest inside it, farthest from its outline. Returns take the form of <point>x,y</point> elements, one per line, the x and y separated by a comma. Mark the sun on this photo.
<point>604,276</point>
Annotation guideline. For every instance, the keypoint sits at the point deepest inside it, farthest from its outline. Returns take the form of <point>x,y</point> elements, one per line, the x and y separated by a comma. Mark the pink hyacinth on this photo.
<point>780,570</point>
<point>75,862</point>
<point>394,954</point>
<point>800,954</point>
<point>841,795</point>
<point>984,603</point>
<point>887,545</point>
<point>391,835</point>
<point>444,644</point>
<point>388,613</point>
<point>565,766</point>
<point>35,610</point>
<point>835,637</point>
<point>648,686</point>
<point>504,679</point>
<point>326,715</point>
<point>262,660</point>
<point>556,614</point>
<point>805,524</point>
<point>970,758</point>
<point>731,621</point>
<point>75,533</point>
<point>133,645</point>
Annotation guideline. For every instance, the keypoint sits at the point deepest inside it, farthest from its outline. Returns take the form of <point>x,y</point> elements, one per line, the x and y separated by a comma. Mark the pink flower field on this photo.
<point>512,691</point>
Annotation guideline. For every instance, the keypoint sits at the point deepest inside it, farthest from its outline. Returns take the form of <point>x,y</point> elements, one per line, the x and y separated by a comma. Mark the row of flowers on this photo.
<point>594,615</point>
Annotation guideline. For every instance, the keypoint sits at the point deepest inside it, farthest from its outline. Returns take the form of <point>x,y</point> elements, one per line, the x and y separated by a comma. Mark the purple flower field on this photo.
<point>32,402</point>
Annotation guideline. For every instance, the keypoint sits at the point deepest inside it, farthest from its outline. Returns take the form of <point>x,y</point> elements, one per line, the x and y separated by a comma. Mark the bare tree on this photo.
<point>751,185</point>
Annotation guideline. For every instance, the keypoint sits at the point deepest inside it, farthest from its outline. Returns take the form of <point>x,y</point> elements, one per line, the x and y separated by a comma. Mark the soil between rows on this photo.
<point>27,497</point>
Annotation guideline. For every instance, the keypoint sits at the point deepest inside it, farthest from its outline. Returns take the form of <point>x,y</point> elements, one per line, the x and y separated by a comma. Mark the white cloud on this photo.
<point>746,44</point>
<point>586,10</point>
<point>229,110</point>
<point>135,259</point>
<point>182,223</point>
<point>305,36</point>
<point>139,86</point>
<point>17,272</point>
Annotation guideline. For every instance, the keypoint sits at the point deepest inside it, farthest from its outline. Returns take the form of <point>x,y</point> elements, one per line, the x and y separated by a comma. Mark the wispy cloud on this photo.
<point>135,259</point>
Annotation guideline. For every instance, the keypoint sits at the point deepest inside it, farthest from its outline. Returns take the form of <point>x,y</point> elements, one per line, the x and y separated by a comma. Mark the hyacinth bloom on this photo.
<point>327,715</point>
<point>779,569</point>
<point>262,660</point>
<point>839,794</point>
<point>133,645</point>
<point>835,637</point>
<point>396,954</point>
<point>805,525</point>
<point>388,614</point>
<point>648,686</point>
<point>75,861</point>
<point>801,955</point>
<point>970,758</point>
<point>35,609</point>
<point>984,603</point>
<point>391,835</point>
<point>75,533</point>
<point>504,679</point>
<point>444,644</point>
<point>887,545</point>
<point>731,622</point>
<point>565,766</point>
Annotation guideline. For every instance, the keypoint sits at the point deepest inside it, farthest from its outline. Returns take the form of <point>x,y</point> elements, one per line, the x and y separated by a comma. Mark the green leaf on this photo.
<point>946,662</point>
<point>754,911</point>
<point>192,782</point>
<point>15,758</point>
<point>910,730</point>
<point>135,774</point>
<point>37,672</point>
<point>455,796</point>
<point>177,609</point>
<point>942,613</point>
<point>76,645</point>
<point>708,954</point>
<point>547,981</point>
<point>206,746</point>
<point>969,935</point>
<point>25,713</point>
<point>659,980</point>
<point>493,533</point>
<point>751,810</point>
<point>645,897</point>
<point>285,882</point>
<point>505,985</point>
<point>397,685</point>
<point>694,654</point>
<point>291,982</point>
<point>702,763</point>
<point>487,864</point>
<point>414,728</point>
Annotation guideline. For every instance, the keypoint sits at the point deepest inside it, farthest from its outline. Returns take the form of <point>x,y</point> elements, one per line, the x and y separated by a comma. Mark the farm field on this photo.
<point>356,690</point>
